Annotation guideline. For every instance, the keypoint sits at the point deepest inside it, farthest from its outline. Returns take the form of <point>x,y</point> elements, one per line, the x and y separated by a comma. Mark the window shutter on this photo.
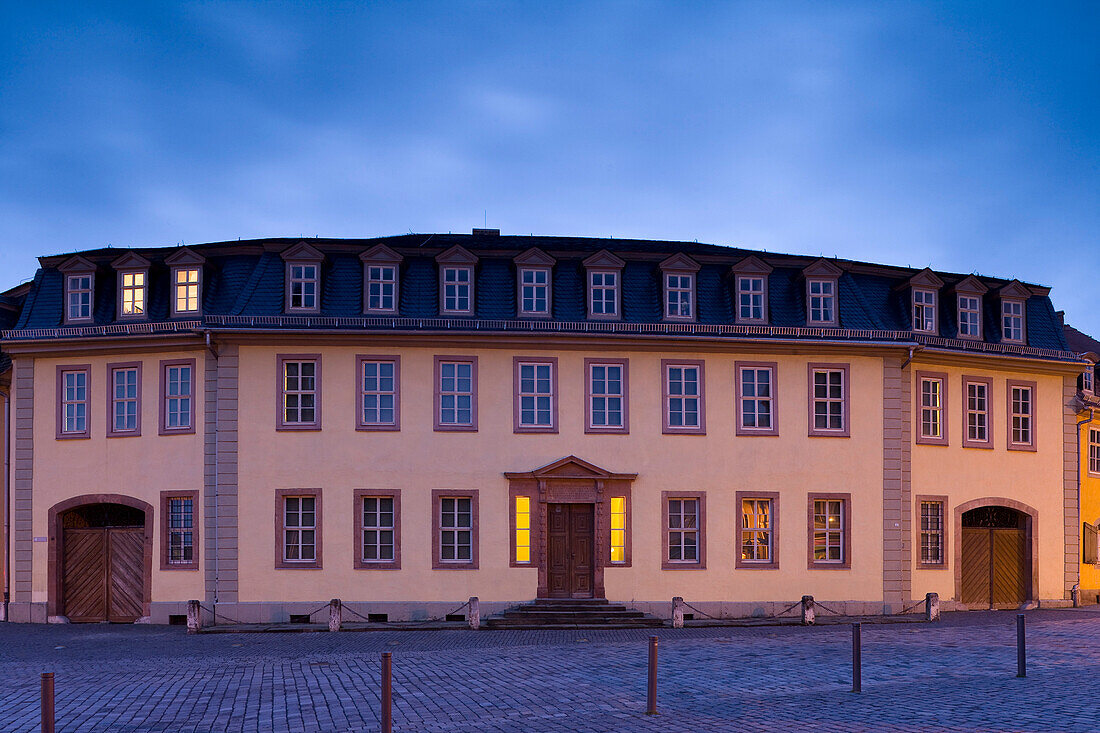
<point>1088,539</point>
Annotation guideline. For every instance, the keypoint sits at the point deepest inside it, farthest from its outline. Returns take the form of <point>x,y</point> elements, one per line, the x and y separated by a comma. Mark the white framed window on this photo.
<point>755,398</point>
<point>303,287</point>
<point>299,392</point>
<point>378,393</point>
<point>78,297</point>
<point>932,410</point>
<point>378,539</point>
<point>534,291</point>
<point>679,296</point>
<point>829,529</point>
<point>382,288</point>
<point>1012,321</point>
<point>932,532</point>
<point>185,289</point>
<point>684,407</point>
<point>756,530</point>
<point>821,297</point>
<point>976,412</point>
<point>924,310</point>
<point>1094,451</point>
<point>606,396</point>
<point>970,316</point>
<point>178,407</point>
<point>181,530</point>
<point>457,290</point>
<point>536,399</point>
<point>74,403</point>
<point>456,529</point>
<point>603,293</point>
<point>683,530</point>
<point>133,294</point>
<point>828,399</point>
<point>750,298</point>
<point>1087,377</point>
<point>299,529</point>
<point>457,394</point>
<point>125,400</point>
<point>1021,415</point>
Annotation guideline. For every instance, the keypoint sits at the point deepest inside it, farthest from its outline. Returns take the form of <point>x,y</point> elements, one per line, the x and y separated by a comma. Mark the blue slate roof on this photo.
<point>248,279</point>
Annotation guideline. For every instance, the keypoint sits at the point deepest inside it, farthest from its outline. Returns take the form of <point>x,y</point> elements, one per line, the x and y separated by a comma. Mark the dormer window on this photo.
<point>1013,312</point>
<point>678,275</point>
<point>186,279</point>
<point>78,298</point>
<point>534,267</point>
<point>821,293</point>
<point>456,281</point>
<point>970,316</point>
<point>750,277</point>
<point>381,269</point>
<point>1087,378</point>
<point>924,310</point>
<point>133,286</point>
<point>303,278</point>
<point>605,276</point>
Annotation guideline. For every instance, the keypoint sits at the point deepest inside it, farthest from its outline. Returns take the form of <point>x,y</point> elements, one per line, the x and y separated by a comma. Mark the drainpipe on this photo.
<point>7,500</point>
<point>214,352</point>
<point>912,350</point>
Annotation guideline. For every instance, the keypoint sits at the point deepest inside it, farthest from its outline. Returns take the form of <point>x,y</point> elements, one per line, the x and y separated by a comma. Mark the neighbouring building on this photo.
<point>1088,434</point>
<point>408,421</point>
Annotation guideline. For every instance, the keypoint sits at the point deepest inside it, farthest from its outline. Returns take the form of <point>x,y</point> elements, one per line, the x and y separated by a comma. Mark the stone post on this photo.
<point>1075,595</point>
<point>194,617</point>
<point>677,612</point>
<point>474,616</point>
<point>807,610</point>
<point>335,614</point>
<point>932,607</point>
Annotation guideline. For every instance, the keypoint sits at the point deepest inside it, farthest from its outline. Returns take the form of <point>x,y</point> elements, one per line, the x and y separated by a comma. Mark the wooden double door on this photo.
<point>570,550</point>
<point>103,573</point>
<point>994,571</point>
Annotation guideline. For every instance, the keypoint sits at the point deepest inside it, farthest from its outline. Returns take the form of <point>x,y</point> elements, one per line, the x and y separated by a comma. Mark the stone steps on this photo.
<point>546,613</point>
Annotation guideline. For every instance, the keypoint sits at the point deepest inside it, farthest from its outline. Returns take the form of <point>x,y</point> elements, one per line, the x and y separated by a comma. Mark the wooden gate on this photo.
<point>103,574</point>
<point>993,569</point>
<point>571,542</point>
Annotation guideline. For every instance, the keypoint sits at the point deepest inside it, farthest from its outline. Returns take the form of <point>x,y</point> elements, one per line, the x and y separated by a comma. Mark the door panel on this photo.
<point>571,550</point>
<point>84,579</point>
<point>582,533</point>
<point>126,550</point>
<point>557,550</point>
<point>1008,566</point>
<point>975,565</point>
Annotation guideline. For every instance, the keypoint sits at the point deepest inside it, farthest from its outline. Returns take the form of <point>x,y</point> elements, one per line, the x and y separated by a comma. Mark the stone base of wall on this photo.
<point>27,613</point>
<point>1090,596</point>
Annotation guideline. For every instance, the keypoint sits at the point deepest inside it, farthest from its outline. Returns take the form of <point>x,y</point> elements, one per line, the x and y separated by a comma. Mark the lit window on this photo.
<point>378,393</point>
<point>604,293</point>
<point>756,397</point>
<point>133,293</point>
<point>931,408</point>
<point>378,529</point>
<point>181,530</point>
<point>456,289</point>
<point>382,288</point>
<point>618,529</point>
<point>303,287</point>
<point>299,393</point>
<point>79,289</point>
<point>679,291</point>
<point>457,397</point>
<point>828,531</point>
<point>536,395</point>
<point>607,390</point>
<point>534,291</point>
<point>683,530</point>
<point>931,533</point>
<point>299,529</point>
<point>1021,415</point>
<point>74,402</point>
<point>177,397</point>
<point>970,316</point>
<point>822,297</point>
<point>455,530</point>
<point>124,400</point>
<point>924,311</point>
<point>1012,320</point>
<point>830,401</point>
<point>683,400</point>
<point>750,298</point>
<point>977,412</point>
<point>756,530</point>
<point>186,283</point>
<point>1094,451</point>
<point>523,529</point>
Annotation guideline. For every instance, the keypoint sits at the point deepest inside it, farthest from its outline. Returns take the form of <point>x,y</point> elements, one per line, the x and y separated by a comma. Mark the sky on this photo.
<point>964,136</point>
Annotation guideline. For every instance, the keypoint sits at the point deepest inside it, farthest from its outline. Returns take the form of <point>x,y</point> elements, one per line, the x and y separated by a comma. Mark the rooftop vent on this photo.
<point>486,232</point>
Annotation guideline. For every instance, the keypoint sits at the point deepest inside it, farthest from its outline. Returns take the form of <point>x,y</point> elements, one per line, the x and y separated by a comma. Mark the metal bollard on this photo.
<point>808,610</point>
<point>677,612</point>
<point>1021,651</point>
<point>335,614</point>
<point>47,703</point>
<point>475,613</point>
<point>651,692</point>
<point>387,692</point>
<point>932,607</point>
<point>194,617</point>
<point>857,659</point>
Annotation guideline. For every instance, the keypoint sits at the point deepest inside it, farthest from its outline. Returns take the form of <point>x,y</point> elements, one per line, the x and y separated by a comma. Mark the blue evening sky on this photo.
<point>964,136</point>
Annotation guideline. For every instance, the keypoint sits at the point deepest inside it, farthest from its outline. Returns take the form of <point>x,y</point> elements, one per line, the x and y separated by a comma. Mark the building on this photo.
<point>406,422</point>
<point>1088,434</point>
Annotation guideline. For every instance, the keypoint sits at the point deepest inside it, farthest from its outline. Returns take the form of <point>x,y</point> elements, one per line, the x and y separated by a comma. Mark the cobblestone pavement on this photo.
<point>957,675</point>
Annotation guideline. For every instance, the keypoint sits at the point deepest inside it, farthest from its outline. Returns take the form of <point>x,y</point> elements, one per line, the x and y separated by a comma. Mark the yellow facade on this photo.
<point>1089,435</point>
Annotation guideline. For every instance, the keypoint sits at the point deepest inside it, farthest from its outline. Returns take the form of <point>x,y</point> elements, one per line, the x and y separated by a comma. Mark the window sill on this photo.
<point>829,565</point>
<point>378,428</point>
<point>377,565</point>
<point>534,429</point>
<point>456,428</point>
<point>292,565</point>
<point>751,565</point>
<point>673,565</point>
<point>179,566</point>
<point>445,565</point>
<point>312,427</point>
<point>73,436</point>
<point>1021,447</point>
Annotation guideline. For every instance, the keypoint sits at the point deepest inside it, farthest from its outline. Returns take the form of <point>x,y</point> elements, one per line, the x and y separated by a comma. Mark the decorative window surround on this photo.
<point>186,278</point>
<point>439,526</point>
<point>825,393</point>
<point>772,530</point>
<point>378,386</point>
<point>924,302</point>
<point>690,506</point>
<point>298,524</point>
<point>298,389</point>
<point>750,284</point>
<point>756,384</point>
<point>179,530</point>
<point>1022,414</point>
<point>177,396</point>
<point>79,305</point>
<point>829,532</point>
<point>931,531</point>
<point>969,294</point>
<point>535,394</point>
<point>600,396</point>
<point>456,281</point>
<point>1013,314</point>
<point>381,280</point>
<point>374,523</point>
<point>1088,379</point>
<point>74,402</point>
<point>455,393</point>
<point>930,409</point>
<point>604,275</point>
<point>534,284</point>
<point>977,412</point>
<point>684,387</point>
<point>1094,452</point>
<point>303,278</point>
<point>124,394</point>
<point>132,272</point>
<point>678,288</point>
<point>822,293</point>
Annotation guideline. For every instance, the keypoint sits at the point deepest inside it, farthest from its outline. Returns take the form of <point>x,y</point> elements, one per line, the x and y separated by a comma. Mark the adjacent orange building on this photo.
<point>406,422</point>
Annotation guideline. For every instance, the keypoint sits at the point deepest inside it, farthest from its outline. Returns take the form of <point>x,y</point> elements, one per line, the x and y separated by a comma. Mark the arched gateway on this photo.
<point>100,558</point>
<point>996,560</point>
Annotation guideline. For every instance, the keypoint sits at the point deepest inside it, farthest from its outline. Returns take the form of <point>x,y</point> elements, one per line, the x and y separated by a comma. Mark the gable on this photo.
<point>603,260</point>
<point>572,467</point>
<point>303,252</point>
<point>925,279</point>
<point>130,261</point>
<point>535,257</point>
<point>184,256</point>
<point>751,265</point>
<point>822,268</point>
<point>456,255</point>
<point>382,254</point>
<point>1014,290</point>
<point>76,263</point>
<point>679,261</point>
<point>971,285</point>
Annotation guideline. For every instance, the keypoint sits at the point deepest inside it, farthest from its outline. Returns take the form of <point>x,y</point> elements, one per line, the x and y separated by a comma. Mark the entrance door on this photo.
<point>103,565</point>
<point>994,570</point>
<point>570,545</point>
